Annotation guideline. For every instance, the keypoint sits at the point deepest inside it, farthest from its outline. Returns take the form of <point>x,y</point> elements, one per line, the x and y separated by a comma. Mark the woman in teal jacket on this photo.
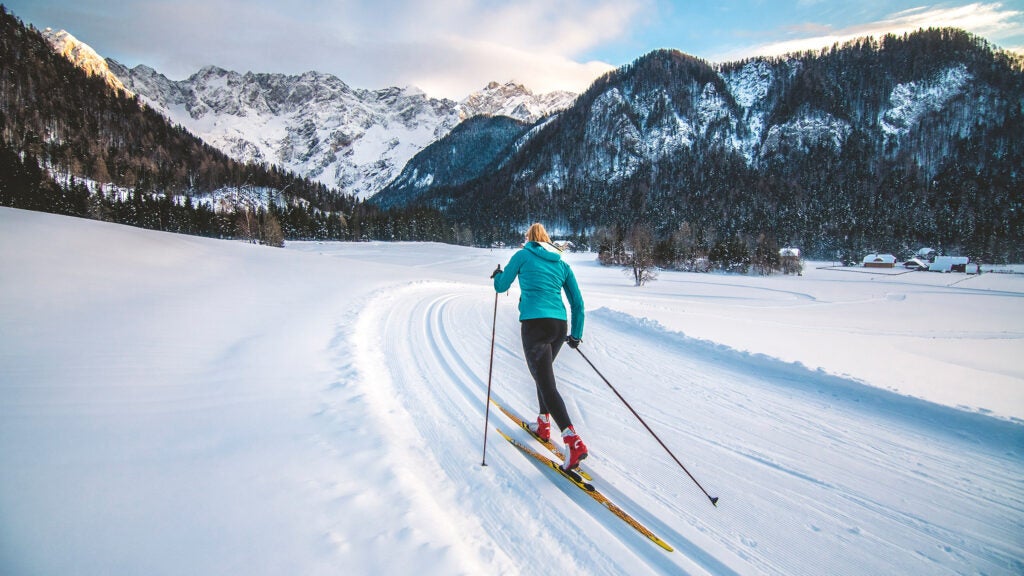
<point>543,276</point>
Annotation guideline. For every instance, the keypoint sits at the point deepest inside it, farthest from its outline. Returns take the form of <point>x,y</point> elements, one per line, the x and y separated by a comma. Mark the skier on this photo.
<point>543,275</point>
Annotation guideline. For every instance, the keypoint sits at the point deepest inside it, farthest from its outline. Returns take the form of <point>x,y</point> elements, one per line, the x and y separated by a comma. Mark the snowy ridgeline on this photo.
<point>313,124</point>
<point>174,404</point>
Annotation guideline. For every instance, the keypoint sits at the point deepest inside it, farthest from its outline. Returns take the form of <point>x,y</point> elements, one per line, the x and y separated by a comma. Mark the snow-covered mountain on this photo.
<point>515,101</point>
<point>881,142</point>
<point>316,125</point>
<point>853,143</point>
<point>642,116</point>
<point>312,124</point>
<point>464,154</point>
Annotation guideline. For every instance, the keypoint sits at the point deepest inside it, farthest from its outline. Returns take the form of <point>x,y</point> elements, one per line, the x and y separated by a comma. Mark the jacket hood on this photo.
<point>544,250</point>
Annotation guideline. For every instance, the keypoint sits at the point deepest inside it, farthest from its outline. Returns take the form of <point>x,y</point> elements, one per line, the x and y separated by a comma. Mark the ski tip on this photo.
<point>714,501</point>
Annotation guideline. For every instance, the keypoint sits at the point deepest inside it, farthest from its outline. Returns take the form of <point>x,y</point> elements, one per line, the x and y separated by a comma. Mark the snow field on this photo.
<point>183,405</point>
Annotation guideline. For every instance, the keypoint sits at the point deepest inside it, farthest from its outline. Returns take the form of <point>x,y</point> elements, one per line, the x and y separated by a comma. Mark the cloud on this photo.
<point>991,20</point>
<point>451,47</point>
<point>563,28</point>
<point>446,47</point>
<point>457,66</point>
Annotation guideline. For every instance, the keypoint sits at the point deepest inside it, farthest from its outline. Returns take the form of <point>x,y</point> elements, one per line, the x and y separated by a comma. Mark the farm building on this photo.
<point>953,264</point>
<point>879,261</point>
<point>916,264</point>
<point>790,261</point>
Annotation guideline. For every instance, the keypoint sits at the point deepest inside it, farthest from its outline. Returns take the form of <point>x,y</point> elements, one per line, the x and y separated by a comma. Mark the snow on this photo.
<point>912,100</point>
<point>809,129</point>
<point>750,84</point>
<point>181,405</point>
<point>711,105</point>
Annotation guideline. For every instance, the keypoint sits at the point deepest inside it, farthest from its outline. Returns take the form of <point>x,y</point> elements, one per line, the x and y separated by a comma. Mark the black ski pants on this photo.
<point>542,339</point>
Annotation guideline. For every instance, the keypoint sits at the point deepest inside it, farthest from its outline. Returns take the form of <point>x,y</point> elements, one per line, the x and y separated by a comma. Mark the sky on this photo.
<point>449,48</point>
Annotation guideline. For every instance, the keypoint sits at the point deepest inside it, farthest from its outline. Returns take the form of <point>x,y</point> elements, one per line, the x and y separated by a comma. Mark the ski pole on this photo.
<point>714,499</point>
<point>490,371</point>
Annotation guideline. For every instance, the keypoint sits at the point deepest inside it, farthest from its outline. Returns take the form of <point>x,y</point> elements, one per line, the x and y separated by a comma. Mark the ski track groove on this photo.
<point>821,468</point>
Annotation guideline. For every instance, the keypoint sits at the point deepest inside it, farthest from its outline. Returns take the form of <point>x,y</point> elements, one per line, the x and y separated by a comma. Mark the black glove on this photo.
<point>572,342</point>
<point>496,272</point>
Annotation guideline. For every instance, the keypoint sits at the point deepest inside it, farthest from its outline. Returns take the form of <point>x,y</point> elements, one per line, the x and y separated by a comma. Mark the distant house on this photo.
<point>926,254</point>
<point>879,261</point>
<point>953,264</point>
<point>790,261</point>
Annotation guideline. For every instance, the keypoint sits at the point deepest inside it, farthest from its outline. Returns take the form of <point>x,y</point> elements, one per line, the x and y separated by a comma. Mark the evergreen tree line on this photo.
<point>25,184</point>
<point>637,248</point>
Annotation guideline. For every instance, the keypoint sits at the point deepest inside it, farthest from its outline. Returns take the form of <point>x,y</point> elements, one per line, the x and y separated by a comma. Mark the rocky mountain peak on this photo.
<point>514,100</point>
<point>83,56</point>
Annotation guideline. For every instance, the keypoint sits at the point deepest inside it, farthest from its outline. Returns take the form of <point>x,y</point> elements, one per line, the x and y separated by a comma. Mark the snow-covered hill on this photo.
<point>182,405</point>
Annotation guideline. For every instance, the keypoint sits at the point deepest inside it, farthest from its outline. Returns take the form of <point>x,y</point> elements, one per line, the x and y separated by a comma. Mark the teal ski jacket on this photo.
<point>543,275</point>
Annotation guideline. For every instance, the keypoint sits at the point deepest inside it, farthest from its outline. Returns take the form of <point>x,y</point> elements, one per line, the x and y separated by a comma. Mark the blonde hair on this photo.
<point>537,233</point>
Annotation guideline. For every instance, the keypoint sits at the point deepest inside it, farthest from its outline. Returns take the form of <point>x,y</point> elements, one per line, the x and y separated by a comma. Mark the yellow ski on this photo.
<point>586,487</point>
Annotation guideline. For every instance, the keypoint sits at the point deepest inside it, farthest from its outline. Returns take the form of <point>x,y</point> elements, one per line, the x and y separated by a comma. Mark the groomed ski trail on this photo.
<point>431,389</point>
<point>793,454</point>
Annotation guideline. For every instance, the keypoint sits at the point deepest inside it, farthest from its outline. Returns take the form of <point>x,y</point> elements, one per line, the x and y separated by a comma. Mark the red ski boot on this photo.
<point>575,449</point>
<point>542,428</point>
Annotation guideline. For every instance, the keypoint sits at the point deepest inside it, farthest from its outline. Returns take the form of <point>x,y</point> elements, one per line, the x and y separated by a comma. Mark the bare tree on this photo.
<point>766,258</point>
<point>609,242</point>
<point>272,234</point>
<point>246,227</point>
<point>640,255</point>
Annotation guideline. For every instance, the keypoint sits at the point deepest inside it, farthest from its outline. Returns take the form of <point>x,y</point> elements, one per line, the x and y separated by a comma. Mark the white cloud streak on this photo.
<point>988,20</point>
